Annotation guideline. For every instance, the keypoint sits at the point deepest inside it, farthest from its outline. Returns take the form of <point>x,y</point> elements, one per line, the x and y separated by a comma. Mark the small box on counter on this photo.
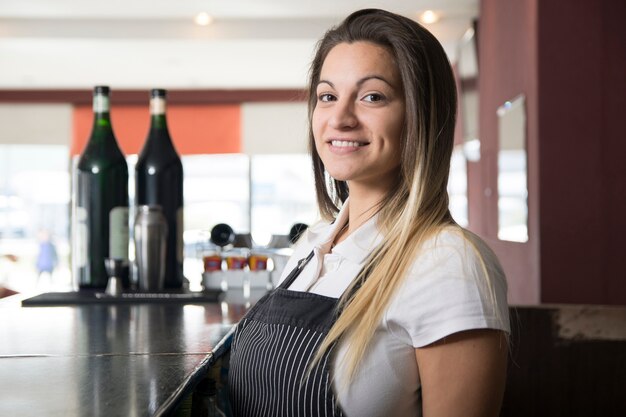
<point>257,262</point>
<point>212,262</point>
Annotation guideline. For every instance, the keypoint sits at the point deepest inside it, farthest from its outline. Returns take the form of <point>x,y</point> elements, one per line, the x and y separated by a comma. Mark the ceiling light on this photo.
<point>429,17</point>
<point>203,19</point>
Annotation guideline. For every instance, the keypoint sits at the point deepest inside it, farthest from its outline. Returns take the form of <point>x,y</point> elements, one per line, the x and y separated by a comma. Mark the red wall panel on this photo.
<point>195,129</point>
<point>507,64</point>
<point>582,69</point>
<point>570,63</point>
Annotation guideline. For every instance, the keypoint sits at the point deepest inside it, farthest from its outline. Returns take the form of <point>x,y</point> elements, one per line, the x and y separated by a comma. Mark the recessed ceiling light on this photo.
<point>203,19</point>
<point>429,17</point>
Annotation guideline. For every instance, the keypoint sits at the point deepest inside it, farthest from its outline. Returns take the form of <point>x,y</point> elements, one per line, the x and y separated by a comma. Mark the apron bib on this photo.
<point>272,348</point>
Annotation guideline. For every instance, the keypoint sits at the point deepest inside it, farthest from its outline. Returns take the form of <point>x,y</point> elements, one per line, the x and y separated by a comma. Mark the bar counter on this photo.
<point>105,360</point>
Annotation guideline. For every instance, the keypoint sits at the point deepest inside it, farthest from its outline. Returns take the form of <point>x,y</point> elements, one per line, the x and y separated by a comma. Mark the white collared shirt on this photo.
<point>330,273</point>
<point>445,291</point>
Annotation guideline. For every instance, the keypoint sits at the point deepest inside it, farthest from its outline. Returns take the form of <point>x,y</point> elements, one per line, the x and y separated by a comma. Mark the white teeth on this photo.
<point>346,143</point>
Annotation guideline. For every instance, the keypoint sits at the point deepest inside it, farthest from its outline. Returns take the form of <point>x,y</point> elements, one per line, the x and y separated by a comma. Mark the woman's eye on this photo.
<point>325,97</point>
<point>373,97</point>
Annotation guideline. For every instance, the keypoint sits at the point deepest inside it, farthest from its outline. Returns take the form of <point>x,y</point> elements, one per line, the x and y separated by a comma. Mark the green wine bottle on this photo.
<point>100,217</point>
<point>159,181</point>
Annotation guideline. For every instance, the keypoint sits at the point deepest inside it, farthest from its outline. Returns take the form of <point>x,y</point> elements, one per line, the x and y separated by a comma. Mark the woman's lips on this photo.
<point>345,146</point>
<point>347,143</point>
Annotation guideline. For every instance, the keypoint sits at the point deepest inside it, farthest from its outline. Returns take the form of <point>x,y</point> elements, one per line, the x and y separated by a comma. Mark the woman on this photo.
<point>387,308</point>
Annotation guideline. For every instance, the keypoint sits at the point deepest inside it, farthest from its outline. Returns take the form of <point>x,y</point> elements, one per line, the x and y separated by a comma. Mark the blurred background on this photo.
<point>537,169</point>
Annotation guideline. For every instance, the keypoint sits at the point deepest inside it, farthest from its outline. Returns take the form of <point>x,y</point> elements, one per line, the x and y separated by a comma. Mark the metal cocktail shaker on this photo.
<point>150,242</point>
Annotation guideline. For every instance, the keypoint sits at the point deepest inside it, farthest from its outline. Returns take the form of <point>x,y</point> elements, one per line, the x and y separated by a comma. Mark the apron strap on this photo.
<point>296,271</point>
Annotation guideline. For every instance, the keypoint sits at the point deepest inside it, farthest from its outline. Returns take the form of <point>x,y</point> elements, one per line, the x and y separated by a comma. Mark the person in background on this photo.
<point>47,257</point>
<point>387,307</point>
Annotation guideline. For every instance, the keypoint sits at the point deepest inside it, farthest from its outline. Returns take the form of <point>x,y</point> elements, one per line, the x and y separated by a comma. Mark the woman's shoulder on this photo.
<point>455,283</point>
<point>454,248</point>
<point>455,260</point>
<point>452,238</point>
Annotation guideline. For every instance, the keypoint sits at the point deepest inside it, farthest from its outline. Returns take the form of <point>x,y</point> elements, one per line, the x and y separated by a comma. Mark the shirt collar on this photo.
<point>322,234</point>
<point>358,245</point>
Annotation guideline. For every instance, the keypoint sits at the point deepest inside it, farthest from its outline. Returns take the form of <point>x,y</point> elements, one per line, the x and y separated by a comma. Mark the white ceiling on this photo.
<point>148,43</point>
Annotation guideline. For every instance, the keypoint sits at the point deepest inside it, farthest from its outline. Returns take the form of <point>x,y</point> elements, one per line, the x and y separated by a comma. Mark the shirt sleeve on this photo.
<point>456,283</point>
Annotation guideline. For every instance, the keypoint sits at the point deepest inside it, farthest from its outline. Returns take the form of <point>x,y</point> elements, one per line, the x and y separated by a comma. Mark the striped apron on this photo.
<point>271,351</point>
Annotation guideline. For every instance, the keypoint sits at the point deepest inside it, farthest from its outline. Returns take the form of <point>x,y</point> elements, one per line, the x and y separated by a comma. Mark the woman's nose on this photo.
<point>343,115</point>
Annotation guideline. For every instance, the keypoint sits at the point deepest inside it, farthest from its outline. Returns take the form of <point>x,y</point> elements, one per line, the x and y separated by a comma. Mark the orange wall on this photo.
<point>195,129</point>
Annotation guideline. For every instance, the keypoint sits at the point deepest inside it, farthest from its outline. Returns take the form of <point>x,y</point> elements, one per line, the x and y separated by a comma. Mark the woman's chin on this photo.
<point>340,177</point>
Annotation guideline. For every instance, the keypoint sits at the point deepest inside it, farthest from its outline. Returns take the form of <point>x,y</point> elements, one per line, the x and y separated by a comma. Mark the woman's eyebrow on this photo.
<point>374,77</point>
<point>360,81</point>
<point>325,82</point>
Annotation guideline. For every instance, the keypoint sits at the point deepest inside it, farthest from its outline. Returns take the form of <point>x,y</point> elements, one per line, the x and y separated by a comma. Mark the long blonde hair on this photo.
<point>417,207</point>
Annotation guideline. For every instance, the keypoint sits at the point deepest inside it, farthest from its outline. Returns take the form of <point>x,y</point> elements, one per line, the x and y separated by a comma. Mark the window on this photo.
<point>34,209</point>
<point>283,193</point>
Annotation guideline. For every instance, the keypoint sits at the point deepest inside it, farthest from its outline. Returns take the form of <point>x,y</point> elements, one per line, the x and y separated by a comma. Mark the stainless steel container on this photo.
<point>150,244</point>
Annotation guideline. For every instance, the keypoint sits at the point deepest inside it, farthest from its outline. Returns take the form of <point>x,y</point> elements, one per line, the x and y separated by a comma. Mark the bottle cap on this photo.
<point>158,92</point>
<point>101,89</point>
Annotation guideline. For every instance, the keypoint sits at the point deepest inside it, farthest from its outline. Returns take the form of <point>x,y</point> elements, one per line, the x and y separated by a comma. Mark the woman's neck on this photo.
<point>363,204</point>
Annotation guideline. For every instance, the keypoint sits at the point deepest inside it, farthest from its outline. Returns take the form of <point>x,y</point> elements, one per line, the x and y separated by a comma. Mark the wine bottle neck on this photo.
<point>102,122</point>
<point>157,112</point>
<point>101,103</point>
<point>158,121</point>
<point>101,111</point>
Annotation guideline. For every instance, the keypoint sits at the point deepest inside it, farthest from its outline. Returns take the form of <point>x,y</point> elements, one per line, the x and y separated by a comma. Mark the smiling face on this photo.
<point>358,118</point>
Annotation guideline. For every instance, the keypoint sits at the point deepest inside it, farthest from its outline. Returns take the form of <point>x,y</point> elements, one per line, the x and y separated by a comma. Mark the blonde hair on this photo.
<point>417,207</point>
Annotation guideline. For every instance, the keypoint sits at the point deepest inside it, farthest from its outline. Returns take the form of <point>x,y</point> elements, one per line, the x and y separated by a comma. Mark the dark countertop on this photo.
<point>109,360</point>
